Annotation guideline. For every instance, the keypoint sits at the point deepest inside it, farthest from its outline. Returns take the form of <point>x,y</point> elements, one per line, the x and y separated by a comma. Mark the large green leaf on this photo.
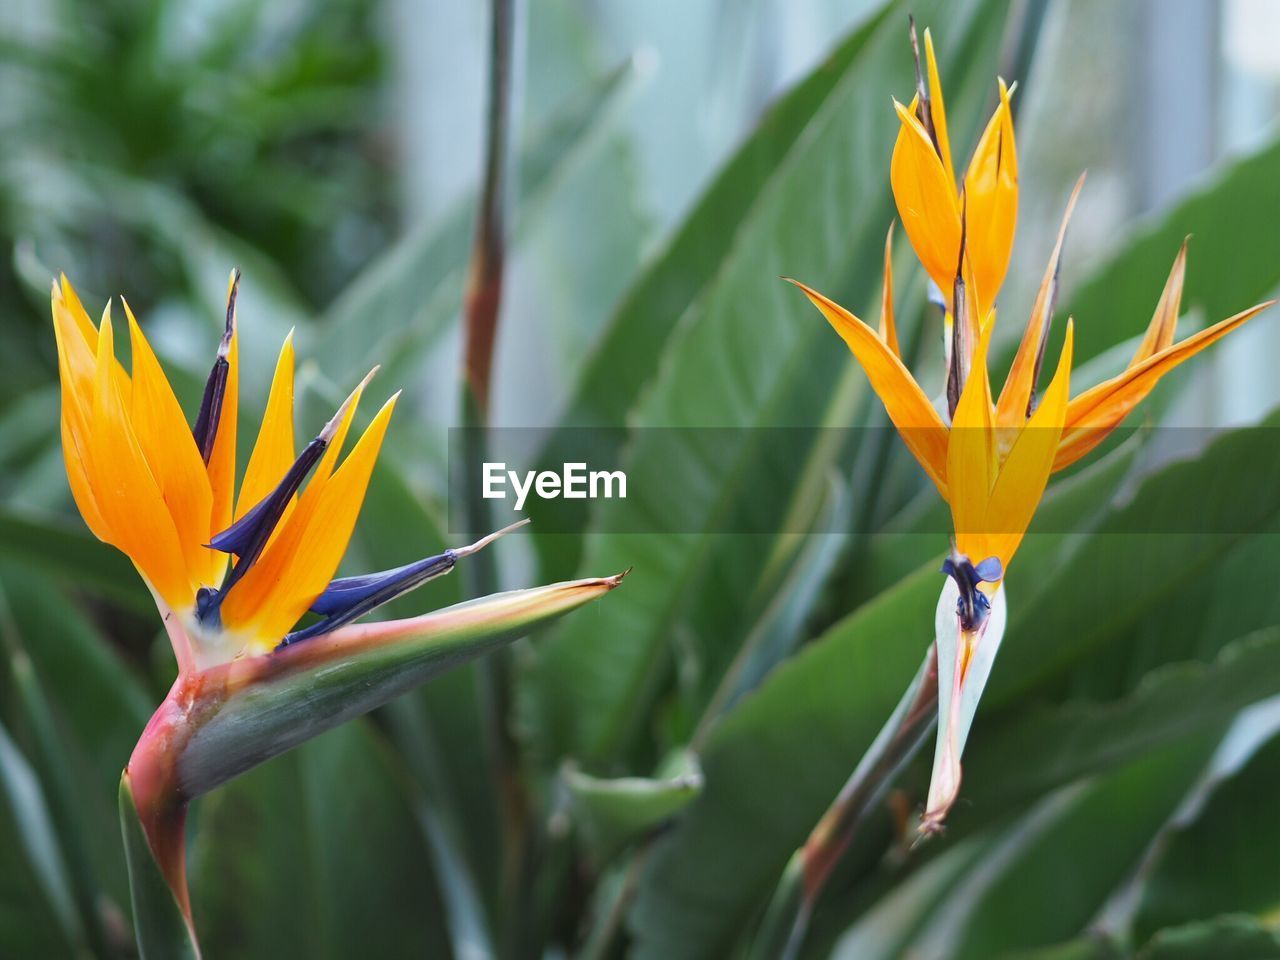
<point>1150,551</point>
<point>1222,938</point>
<point>1233,839</point>
<point>1102,829</point>
<point>626,357</point>
<point>749,355</point>
<point>316,854</point>
<point>66,549</point>
<point>772,767</point>
<point>37,903</point>
<point>1060,743</point>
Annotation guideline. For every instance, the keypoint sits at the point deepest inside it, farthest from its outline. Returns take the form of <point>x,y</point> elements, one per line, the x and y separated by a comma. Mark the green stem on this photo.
<point>482,307</point>
<point>488,251</point>
<point>898,742</point>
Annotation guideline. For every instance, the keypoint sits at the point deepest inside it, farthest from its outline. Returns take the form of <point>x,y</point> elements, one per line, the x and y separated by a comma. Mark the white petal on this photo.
<point>957,703</point>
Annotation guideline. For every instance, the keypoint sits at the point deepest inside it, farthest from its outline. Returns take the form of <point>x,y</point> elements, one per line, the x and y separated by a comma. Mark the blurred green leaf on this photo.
<point>806,561</point>
<point>1060,743</point>
<point>1101,828</point>
<point>1223,938</point>
<point>772,767</point>
<point>886,927</point>
<point>65,803</point>
<point>37,910</point>
<point>64,547</point>
<point>613,812</point>
<point>79,733</point>
<point>1086,948</point>
<point>1146,552</point>
<point>1233,839</point>
<point>316,854</point>
<point>626,356</point>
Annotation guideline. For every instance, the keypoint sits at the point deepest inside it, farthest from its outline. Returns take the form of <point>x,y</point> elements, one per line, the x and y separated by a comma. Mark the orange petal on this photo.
<point>69,303</point>
<point>346,413</point>
<point>222,460</point>
<point>991,193</point>
<point>888,329</point>
<point>1015,398</point>
<point>127,493</point>
<point>273,451</point>
<point>165,439</point>
<point>1025,472</point>
<point>938,108</point>
<point>927,201</point>
<point>1099,410</point>
<point>301,561</point>
<point>910,410</point>
<point>1164,321</point>
<point>76,364</point>
<point>971,459</point>
<point>76,312</point>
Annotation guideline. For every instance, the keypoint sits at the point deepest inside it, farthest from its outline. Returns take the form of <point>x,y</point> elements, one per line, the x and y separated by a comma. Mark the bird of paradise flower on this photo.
<point>989,457</point>
<point>233,575</point>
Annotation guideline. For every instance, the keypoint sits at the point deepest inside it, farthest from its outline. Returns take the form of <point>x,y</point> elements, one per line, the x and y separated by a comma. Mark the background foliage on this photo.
<point>678,742</point>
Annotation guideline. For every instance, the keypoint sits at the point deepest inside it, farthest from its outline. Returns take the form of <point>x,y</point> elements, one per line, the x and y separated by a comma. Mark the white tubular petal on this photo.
<point>958,701</point>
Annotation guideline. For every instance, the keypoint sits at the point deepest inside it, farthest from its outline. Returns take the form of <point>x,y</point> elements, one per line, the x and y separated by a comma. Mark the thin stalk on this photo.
<point>898,742</point>
<point>483,298</point>
<point>481,309</point>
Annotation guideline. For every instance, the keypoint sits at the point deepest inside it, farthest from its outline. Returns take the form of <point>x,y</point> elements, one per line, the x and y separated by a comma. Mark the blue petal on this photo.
<point>248,535</point>
<point>343,594</point>
<point>350,598</point>
<point>990,570</point>
<point>206,429</point>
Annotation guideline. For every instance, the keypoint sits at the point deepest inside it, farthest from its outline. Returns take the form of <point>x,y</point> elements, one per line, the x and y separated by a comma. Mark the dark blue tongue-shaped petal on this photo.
<point>215,388</point>
<point>248,536</point>
<point>349,598</point>
<point>972,606</point>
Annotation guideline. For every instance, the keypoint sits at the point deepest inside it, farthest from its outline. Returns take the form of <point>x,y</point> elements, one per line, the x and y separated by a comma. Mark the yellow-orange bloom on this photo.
<point>935,210</point>
<point>990,458</point>
<point>163,492</point>
<point>993,460</point>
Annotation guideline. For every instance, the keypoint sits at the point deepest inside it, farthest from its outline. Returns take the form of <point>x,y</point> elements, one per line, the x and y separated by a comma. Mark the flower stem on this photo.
<point>898,742</point>
<point>488,251</point>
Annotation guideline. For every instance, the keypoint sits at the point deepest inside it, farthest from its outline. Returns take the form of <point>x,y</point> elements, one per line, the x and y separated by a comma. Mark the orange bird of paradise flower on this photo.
<point>232,575</point>
<point>989,457</point>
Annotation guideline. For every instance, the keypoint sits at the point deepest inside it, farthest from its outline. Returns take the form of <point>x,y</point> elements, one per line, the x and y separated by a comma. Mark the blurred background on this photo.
<point>148,144</point>
<point>332,150</point>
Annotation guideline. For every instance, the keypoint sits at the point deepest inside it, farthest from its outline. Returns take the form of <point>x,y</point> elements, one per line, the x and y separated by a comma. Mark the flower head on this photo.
<point>989,456</point>
<point>232,574</point>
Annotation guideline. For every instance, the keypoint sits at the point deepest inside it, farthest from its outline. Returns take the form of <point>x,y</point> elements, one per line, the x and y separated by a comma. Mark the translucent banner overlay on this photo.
<point>800,480</point>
